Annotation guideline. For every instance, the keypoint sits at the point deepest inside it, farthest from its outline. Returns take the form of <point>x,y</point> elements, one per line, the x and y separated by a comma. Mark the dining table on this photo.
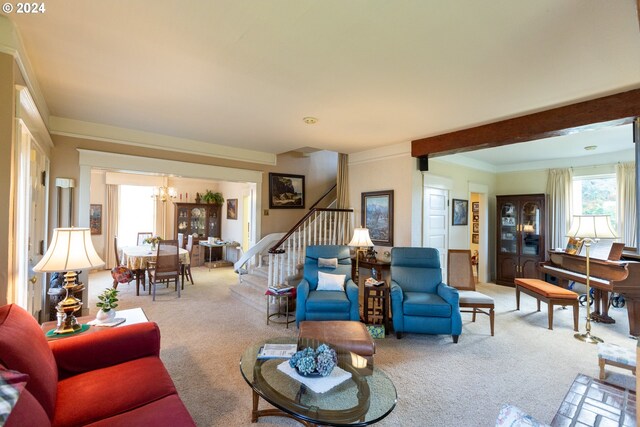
<point>137,258</point>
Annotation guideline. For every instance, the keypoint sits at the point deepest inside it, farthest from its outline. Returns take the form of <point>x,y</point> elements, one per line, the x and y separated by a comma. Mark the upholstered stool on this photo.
<point>344,334</point>
<point>614,355</point>
<point>477,301</point>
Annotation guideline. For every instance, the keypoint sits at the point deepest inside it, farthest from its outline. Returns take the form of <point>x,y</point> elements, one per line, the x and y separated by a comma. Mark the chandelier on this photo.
<point>164,193</point>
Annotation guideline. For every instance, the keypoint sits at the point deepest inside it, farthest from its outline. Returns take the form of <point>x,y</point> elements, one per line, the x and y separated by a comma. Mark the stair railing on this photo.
<point>320,226</point>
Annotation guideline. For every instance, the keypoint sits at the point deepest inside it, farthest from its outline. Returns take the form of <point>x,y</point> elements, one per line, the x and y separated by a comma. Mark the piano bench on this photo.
<point>551,294</point>
<point>614,355</point>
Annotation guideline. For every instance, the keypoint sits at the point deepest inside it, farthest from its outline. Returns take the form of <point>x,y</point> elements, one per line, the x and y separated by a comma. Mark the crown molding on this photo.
<point>381,153</point>
<point>99,132</point>
<point>11,44</point>
<point>27,111</point>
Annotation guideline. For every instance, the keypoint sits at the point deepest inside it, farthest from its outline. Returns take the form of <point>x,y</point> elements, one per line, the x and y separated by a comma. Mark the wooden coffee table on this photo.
<point>131,316</point>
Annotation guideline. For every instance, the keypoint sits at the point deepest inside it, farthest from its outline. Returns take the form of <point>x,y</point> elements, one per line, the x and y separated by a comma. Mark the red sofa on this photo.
<point>109,378</point>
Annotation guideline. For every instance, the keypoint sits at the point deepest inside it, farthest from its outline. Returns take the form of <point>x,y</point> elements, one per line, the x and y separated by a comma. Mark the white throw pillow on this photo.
<point>330,282</point>
<point>328,262</point>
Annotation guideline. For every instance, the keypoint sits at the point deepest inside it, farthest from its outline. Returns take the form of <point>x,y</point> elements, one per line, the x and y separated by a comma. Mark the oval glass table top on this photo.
<point>365,398</point>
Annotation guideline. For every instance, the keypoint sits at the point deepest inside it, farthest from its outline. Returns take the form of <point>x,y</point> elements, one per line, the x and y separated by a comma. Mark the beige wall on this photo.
<point>99,196</point>
<point>527,182</point>
<point>7,113</point>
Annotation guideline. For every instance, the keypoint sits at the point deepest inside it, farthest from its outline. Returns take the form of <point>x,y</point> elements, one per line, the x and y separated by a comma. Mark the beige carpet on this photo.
<point>439,383</point>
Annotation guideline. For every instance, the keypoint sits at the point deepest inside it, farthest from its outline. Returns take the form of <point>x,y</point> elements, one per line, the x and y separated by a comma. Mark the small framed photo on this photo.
<point>460,212</point>
<point>476,227</point>
<point>475,207</point>
<point>475,238</point>
<point>232,208</point>
<point>95,219</point>
<point>476,218</point>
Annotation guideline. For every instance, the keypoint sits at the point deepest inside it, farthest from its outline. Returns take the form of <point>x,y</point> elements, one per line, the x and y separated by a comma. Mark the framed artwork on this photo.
<point>232,208</point>
<point>475,207</point>
<point>377,216</point>
<point>475,238</point>
<point>286,191</point>
<point>460,212</point>
<point>476,218</point>
<point>476,227</point>
<point>95,219</point>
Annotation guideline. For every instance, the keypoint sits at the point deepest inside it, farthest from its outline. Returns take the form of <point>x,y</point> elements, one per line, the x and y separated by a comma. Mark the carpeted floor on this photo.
<point>439,383</point>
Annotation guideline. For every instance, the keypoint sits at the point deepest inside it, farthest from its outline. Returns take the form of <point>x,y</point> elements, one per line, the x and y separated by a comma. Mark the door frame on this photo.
<point>483,266</point>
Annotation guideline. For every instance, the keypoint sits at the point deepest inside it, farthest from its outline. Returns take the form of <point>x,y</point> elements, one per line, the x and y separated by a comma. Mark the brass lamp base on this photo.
<point>67,322</point>
<point>588,338</point>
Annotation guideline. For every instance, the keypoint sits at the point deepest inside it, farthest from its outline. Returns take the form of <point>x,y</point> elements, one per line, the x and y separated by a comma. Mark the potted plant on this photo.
<point>211,197</point>
<point>107,302</point>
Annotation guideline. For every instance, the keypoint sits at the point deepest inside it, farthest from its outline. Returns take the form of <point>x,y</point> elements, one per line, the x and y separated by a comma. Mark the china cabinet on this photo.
<point>520,236</point>
<point>201,220</point>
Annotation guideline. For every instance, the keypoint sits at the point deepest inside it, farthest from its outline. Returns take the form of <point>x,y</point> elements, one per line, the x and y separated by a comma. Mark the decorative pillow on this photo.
<point>121,274</point>
<point>514,417</point>
<point>330,282</point>
<point>11,385</point>
<point>327,262</point>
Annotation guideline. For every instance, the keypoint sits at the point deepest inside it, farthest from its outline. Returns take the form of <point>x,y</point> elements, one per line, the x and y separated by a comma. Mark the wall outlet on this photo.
<point>266,212</point>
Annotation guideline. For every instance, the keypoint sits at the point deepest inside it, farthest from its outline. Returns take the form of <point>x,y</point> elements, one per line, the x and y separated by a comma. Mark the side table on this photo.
<point>376,306</point>
<point>131,316</point>
<point>280,298</point>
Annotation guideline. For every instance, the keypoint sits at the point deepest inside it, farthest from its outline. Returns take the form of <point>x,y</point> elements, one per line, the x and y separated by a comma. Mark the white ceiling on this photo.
<point>374,72</point>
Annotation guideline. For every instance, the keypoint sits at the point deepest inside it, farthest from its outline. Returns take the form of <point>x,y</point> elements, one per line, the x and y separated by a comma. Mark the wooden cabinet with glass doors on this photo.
<point>520,237</point>
<point>201,220</point>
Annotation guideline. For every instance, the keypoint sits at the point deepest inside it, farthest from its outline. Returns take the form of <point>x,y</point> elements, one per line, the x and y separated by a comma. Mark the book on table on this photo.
<point>273,351</point>
<point>280,288</point>
<point>373,282</point>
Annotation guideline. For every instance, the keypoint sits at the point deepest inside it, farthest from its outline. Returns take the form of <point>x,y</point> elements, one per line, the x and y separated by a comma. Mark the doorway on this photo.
<point>435,224</point>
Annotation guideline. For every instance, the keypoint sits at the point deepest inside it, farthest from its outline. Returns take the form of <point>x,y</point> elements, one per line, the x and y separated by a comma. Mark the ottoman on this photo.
<point>344,334</point>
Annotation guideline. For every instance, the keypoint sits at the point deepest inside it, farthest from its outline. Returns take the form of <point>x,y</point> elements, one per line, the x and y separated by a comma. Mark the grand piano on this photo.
<point>621,275</point>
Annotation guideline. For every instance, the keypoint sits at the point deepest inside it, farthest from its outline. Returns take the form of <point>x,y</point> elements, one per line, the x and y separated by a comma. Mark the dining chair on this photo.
<point>186,268</point>
<point>143,235</point>
<point>119,274</point>
<point>181,240</point>
<point>460,276</point>
<point>167,266</point>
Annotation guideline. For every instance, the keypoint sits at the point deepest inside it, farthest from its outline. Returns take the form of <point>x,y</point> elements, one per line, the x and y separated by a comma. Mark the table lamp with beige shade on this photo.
<point>590,228</point>
<point>71,249</point>
<point>361,241</point>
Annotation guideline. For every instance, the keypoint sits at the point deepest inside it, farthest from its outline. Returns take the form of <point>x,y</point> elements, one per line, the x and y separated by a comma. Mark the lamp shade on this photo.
<point>361,238</point>
<point>70,249</point>
<point>592,227</point>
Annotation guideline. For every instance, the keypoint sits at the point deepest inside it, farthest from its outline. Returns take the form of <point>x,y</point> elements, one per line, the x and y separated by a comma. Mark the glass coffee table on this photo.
<point>367,397</point>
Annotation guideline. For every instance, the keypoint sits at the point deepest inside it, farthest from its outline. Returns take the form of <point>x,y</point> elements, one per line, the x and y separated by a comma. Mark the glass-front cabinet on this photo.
<point>200,220</point>
<point>520,237</point>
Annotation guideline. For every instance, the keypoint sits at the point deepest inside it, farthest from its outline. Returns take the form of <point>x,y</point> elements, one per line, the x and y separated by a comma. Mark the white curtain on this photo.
<point>626,180</point>
<point>559,187</point>
<point>111,209</point>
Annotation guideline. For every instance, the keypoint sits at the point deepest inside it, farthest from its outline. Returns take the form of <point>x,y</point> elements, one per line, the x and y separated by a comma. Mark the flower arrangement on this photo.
<point>153,240</point>
<point>320,361</point>
<point>107,299</point>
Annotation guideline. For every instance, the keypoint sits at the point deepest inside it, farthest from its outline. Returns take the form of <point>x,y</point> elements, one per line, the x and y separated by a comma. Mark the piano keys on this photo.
<point>605,276</point>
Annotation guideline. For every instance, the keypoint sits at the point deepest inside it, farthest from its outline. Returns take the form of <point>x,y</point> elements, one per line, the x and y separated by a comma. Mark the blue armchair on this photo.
<point>314,304</point>
<point>420,302</point>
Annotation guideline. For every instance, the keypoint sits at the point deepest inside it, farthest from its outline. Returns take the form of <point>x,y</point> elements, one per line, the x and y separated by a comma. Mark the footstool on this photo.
<point>614,355</point>
<point>344,334</point>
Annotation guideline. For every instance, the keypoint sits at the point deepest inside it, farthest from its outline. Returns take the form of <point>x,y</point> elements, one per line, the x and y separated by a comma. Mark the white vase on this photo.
<point>105,316</point>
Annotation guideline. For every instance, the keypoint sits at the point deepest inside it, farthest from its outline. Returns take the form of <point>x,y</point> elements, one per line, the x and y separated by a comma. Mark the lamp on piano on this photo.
<point>590,228</point>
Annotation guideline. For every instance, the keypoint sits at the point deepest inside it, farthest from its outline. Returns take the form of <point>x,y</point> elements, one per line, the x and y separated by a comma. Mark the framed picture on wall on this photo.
<point>476,227</point>
<point>476,218</point>
<point>286,191</point>
<point>95,219</point>
<point>475,238</point>
<point>232,208</point>
<point>377,216</point>
<point>460,212</point>
<point>475,207</point>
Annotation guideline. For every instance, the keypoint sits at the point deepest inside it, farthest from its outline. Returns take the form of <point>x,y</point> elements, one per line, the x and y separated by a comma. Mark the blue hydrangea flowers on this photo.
<point>310,361</point>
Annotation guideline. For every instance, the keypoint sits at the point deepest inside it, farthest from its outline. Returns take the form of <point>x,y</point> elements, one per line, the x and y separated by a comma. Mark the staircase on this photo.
<point>282,261</point>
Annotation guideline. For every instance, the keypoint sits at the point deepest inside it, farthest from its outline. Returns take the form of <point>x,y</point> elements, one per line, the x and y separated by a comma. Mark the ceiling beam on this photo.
<point>621,108</point>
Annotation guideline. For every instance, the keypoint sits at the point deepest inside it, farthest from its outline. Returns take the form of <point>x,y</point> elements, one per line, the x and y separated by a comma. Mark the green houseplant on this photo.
<point>107,302</point>
<point>211,197</point>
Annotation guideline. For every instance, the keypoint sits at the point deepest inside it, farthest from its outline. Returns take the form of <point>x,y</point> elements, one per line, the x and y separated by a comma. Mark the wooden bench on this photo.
<point>551,294</point>
<point>614,355</point>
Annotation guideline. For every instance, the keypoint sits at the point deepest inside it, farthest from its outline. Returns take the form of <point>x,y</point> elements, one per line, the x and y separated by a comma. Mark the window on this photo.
<point>596,195</point>
<point>136,213</point>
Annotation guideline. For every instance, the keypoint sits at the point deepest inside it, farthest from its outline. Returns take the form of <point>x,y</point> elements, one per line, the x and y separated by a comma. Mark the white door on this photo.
<point>435,224</point>
<point>31,220</point>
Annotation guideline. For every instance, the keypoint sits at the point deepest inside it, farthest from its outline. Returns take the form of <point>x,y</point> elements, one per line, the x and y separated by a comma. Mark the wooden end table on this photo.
<point>376,306</point>
<point>131,316</point>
